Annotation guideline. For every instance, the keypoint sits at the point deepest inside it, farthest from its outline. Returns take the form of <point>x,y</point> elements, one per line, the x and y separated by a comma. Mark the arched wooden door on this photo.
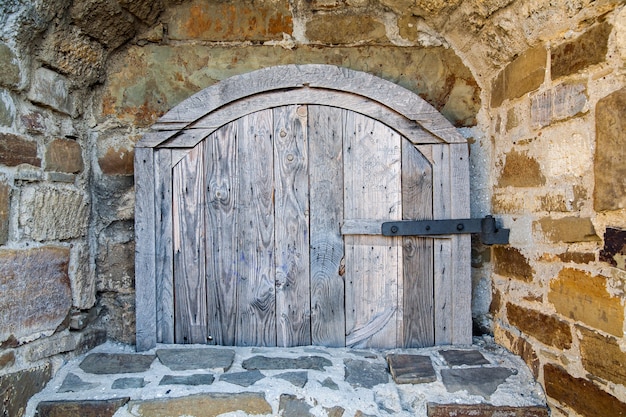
<point>267,218</point>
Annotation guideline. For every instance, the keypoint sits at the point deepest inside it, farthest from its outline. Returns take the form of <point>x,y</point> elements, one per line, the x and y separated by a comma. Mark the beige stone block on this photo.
<point>209,405</point>
<point>9,68</point>
<point>523,75</point>
<point>50,346</point>
<point>83,282</point>
<point>36,296</point>
<point>103,20</point>
<point>338,29</point>
<point>580,296</point>
<point>53,213</point>
<point>567,229</point>
<point>610,156</point>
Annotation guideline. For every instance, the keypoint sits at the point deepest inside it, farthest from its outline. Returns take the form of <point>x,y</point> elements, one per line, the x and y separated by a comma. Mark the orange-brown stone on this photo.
<point>509,262</point>
<point>568,229</point>
<point>580,296</point>
<point>64,155</point>
<point>117,162</point>
<point>547,329</point>
<point>602,356</point>
<point>582,395</point>
<point>15,150</point>
<point>588,49</point>
<point>524,74</point>
<point>577,257</point>
<point>345,29</point>
<point>520,170</point>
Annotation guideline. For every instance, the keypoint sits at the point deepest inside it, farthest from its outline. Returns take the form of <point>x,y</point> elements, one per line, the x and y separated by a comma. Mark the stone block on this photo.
<point>548,329</point>
<point>562,102</point>
<point>35,122</point>
<point>519,346</point>
<point>610,157</point>
<point>51,89</point>
<point>74,383</point>
<point>361,373</point>
<point>509,262</point>
<point>580,296</point>
<point>115,267</point>
<point>588,49</point>
<point>117,161</point>
<point>116,363</point>
<point>602,356</point>
<point>525,74</point>
<point>411,369</point>
<point>73,53</point>
<point>145,10</point>
<point>7,108</point>
<point>16,150</point>
<point>340,29</point>
<point>577,257</point>
<point>614,251</point>
<point>202,358</point>
<point>17,388</point>
<point>64,155</point>
<point>579,394</point>
<point>104,20</point>
<point>27,275</point>
<point>9,67</point>
<point>53,213</point>
<point>208,405</point>
<point>84,408</point>
<point>291,405</point>
<point>140,87</point>
<point>243,379</point>
<point>83,284</point>
<point>476,381</point>
<point>567,229</point>
<point>7,359</point>
<point>235,21</point>
<point>520,170</point>
<point>50,346</point>
<point>5,211</point>
<point>118,316</point>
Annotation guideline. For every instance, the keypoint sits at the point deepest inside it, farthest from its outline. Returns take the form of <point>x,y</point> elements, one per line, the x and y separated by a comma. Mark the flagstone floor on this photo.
<point>192,380</point>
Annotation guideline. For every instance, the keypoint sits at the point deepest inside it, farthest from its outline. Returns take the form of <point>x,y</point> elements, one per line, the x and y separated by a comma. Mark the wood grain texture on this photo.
<point>325,131</point>
<point>372,164</point>
<point>291,228</point>
<point>256,311</point>
<point>212,121</point>
<point>461,245</point>
<point>189,249</point>
<point>145,267</point>
<point>221,167</point>
<point>318,76</point>
<point>417,298</point>
<point>164,246</point>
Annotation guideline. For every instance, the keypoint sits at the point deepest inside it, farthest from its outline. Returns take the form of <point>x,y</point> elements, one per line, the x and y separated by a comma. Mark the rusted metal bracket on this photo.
<point>485,228</point>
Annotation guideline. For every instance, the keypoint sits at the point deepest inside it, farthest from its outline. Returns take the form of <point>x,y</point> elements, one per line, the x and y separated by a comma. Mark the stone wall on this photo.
<point>537,87</point>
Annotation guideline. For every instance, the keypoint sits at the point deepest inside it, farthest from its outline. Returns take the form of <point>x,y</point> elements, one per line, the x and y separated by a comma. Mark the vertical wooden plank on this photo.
<point>256,319</point>
<point>461,245</point>
<point>418,304</point>
<point>220,164</point>
<point>293,324</point>
<point>189,248</point>
<point>145,268</point>
<point>372,191</point>
<point>439,155</point>
<point>328,322</point>
<point>164,248</point>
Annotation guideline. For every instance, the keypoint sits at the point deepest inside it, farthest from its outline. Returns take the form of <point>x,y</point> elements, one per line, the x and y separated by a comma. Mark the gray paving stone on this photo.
<point>199,358</point>
<point>330,384</point>
<point>477,381</point>
<point>128,383</point>
<point>360,373</point>
<point>73,383</point>
<point>304,362</point>
<point>364,354</point>
<point>292,406</point>
<point>195,379</point>
<point>299,379</point>
<point>244,379</point>
<point>116,363</point>
<point>411,369</point>
<point>463,357</point>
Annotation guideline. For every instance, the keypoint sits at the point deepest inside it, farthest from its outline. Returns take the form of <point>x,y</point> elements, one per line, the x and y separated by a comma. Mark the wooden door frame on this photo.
<point>188,123</point>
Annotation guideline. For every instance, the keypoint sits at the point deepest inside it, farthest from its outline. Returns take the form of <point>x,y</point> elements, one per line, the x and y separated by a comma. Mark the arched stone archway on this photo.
<point>258,145</point>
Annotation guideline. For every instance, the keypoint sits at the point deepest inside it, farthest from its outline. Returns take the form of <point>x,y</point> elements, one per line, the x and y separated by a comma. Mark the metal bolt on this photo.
<point>460,227</point>
<point>394,229</point>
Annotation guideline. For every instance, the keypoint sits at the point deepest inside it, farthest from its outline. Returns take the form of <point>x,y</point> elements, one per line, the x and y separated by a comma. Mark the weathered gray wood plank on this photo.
<point>164,247</point>
<point>417,300</point>
<point>256,319</point>
<point>330,77</point>
<point>293,302</point>
<point>146,336</point>
<point>189,249</point>
<point>196,131</point>
<point>221,165</point>
<point>328,323</point>
<point>372,163</point>
<point>461,245</point>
